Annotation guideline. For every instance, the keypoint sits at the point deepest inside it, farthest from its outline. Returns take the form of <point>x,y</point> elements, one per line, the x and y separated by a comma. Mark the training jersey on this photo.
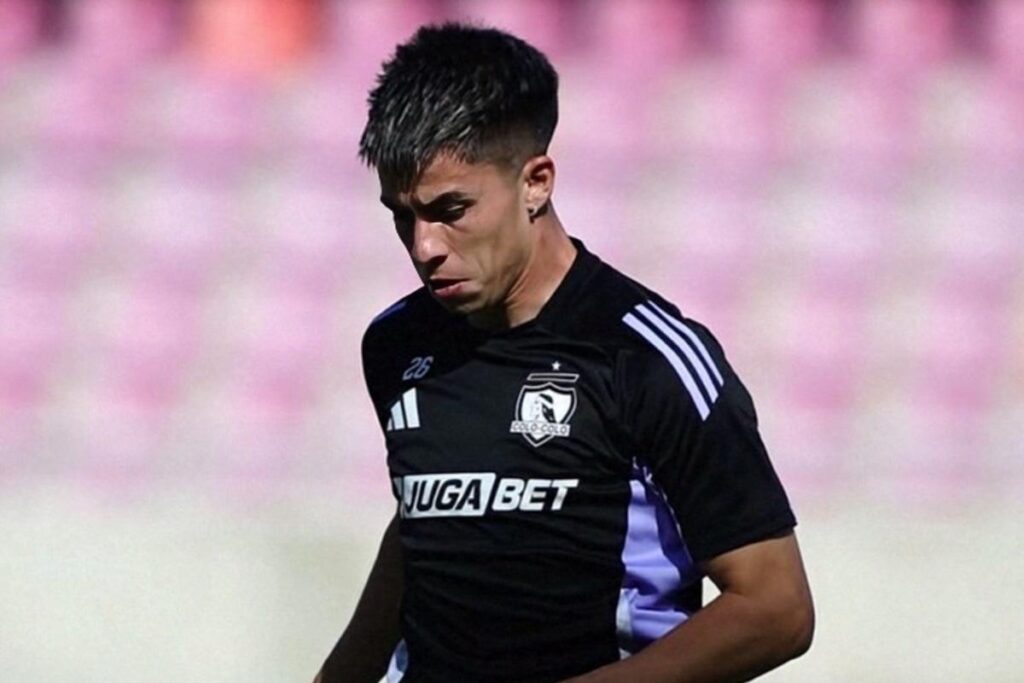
<point>559,482</point>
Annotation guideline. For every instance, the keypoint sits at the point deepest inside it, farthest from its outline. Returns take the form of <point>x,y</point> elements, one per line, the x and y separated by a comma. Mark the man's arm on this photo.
<point>763,617</point>
<point>365,647</point>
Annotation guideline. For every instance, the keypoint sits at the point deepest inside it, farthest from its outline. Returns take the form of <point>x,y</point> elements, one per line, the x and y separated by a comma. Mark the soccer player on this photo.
<point>570,454</point>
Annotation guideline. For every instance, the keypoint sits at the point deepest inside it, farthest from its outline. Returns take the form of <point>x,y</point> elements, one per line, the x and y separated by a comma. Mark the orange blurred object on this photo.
<point>254,36</point>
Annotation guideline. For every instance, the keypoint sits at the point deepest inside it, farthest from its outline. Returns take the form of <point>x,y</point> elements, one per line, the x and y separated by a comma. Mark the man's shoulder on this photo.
<point>399,338</point>
<point>413,310</point>
<point>407,319</point>
<point>659,350</point>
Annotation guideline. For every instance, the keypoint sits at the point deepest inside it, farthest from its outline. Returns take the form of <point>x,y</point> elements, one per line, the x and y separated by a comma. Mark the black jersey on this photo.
<point>558,482</point>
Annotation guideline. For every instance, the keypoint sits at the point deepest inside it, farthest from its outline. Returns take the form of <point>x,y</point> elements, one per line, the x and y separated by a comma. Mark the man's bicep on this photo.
<point>758,565</point>
<point>769,575</point>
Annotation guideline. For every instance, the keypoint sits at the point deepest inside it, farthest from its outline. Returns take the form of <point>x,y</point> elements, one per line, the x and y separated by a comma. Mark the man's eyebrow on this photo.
<point>439,200</point>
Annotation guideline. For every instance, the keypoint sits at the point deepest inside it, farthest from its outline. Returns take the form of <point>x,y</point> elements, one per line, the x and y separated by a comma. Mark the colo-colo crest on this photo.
<point>546,404</point>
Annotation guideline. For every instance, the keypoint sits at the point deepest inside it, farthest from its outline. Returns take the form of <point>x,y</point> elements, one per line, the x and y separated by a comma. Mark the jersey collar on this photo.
<point>572,286</point>
<point>558,305</point>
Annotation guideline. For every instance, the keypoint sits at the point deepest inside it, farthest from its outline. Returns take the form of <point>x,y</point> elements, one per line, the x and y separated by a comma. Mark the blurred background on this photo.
<point>192,483</point>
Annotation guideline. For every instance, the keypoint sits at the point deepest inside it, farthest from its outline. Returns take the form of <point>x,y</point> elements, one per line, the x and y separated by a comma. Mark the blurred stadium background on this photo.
<point>191,480</point>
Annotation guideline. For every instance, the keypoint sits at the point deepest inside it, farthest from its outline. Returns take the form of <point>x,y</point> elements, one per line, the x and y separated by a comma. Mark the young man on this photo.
<point>570,454</point>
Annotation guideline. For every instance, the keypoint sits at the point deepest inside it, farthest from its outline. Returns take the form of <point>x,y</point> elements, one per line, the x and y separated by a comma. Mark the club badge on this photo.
<point>546,404</point>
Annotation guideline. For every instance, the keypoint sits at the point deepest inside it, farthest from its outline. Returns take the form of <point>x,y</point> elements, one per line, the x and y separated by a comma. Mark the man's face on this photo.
<point>466,229</point>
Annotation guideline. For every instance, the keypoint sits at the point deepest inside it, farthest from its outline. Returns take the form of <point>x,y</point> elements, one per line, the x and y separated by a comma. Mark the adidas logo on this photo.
<point>405,413</point>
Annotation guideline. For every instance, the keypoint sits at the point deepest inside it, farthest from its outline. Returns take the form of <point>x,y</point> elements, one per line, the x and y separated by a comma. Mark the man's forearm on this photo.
<point>732,639</point>
<point>363,651</point>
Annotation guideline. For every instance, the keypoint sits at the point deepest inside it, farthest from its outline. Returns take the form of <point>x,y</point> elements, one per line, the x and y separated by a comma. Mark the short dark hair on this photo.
<point>479,94</point>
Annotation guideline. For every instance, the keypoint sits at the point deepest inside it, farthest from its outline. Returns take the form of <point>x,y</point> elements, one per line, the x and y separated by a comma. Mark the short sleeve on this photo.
<point>694,426</point>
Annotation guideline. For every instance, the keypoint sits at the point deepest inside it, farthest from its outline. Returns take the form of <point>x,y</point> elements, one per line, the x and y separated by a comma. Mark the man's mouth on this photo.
<point>445,287</point>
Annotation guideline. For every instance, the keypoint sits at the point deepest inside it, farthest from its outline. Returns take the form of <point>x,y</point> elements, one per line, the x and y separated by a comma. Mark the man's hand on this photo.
<point>763,618</point>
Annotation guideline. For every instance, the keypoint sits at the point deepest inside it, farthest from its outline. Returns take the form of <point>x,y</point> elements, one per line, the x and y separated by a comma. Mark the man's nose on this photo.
<point>428,246</point>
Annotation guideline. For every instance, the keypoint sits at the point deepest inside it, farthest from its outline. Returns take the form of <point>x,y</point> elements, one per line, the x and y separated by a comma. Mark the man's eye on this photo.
<point>453,214</point>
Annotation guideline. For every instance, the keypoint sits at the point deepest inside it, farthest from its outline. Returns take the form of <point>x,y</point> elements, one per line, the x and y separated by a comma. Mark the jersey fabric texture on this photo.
<point>558,482</point>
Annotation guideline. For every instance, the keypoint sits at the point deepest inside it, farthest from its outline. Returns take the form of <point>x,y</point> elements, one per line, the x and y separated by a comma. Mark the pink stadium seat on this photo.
<point>83,116</point>
<point>603,128</point>
<point>973,240</point>
<point>33,332</point>
<point>1003,451</point>
<point>33,339</point>
<point>116,445</point>
<point>856,130</point>
<point>593,214</point>
<point>822,376</point>
<point>752,29</point>
<point>19,29</point>
<point>995,145</point>
<point>364,33</point>
<point>817,346</point>
<point>542,23</point>
<point>320,123</point>
<point>136,351</point>
<point>146,341</point>
<point>1005,465</point>
<point>19,439</point>
<point>277,348</point>
<point>936,464</point>
<point>207,124</point>
<point>633,40</point>
<point>709,225</point>
<point>630,47</point>
<point>962,349</point>
<point>972,124</point>
<point>172,230</point>
<point>837,237</point>
<point>726,126</point>
<point>899,38</point>
<point>934,364</point>
<point>144,29</point>
<point>1004,27</point>
<point>810,454</point>
<point>307,235</point>
<point>280,349</point>
<point>702,239</point>
<point>956,385</point>
<point>49,230</point>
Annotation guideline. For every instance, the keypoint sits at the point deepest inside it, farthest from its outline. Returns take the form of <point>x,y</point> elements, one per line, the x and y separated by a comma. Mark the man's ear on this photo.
<point>539,176</point>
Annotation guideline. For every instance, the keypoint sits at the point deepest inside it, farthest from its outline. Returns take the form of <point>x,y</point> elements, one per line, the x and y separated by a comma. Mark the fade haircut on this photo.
<point>477,94</point>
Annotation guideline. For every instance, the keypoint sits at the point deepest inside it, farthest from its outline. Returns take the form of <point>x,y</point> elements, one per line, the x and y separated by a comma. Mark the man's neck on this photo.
<point>549,262</point>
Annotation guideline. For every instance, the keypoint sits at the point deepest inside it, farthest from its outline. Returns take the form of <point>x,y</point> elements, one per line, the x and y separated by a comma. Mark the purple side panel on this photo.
<point>399,664</point>
<point>658,568</point>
